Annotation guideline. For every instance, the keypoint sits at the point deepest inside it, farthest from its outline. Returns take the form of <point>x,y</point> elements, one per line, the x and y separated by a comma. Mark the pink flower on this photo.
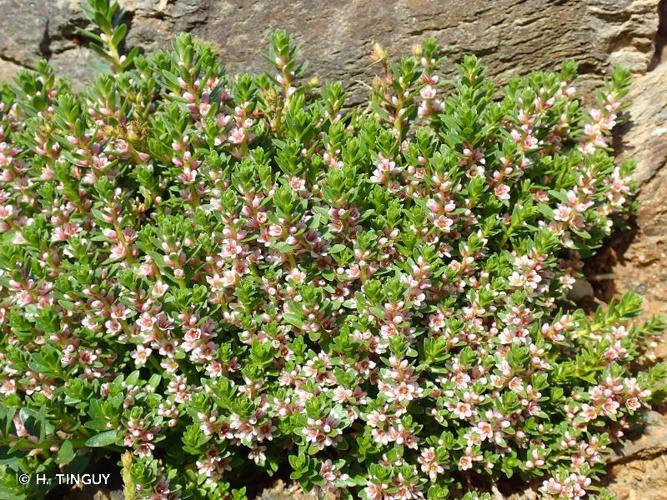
<point>563,213</point>
<point>502,191</point>
<point>462,410</point>
<point>485,430</point>
<point>465,463</point>
<point>141,354</point>
<point>297,184</point>
<point>444,223</point>
<point>427,92</point>
<point>588,412</point>
<point>8,387</point>
<point>275,230</point>
<point>237,136</point>
<point>216,282</point>
<point>296,276</point>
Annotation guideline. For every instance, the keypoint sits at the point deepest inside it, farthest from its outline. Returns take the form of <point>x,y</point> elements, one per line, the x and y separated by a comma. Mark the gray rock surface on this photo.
<point>337,35</point>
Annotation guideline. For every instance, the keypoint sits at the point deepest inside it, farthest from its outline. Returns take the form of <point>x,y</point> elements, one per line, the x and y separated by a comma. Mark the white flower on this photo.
<point>141,354</point>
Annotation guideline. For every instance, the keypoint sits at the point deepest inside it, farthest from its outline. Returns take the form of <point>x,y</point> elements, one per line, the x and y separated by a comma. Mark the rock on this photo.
<point>8,69</point>
<point>642,264</point>
<point>646,138</point>
<point>648,484</point>
<point>93,493</point>
<point>109,495</point>
<point>75,64</point>
<point>651,443</point>
<point>281,491</point>
<point>22,36</point>
<point>510,35</point>
<point>581,289</point>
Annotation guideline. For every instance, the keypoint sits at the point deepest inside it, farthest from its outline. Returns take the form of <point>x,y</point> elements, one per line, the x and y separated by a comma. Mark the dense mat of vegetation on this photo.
<point>223,278</point>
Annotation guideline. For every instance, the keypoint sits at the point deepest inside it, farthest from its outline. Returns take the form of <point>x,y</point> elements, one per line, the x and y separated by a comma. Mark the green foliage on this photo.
<point>221,278</point>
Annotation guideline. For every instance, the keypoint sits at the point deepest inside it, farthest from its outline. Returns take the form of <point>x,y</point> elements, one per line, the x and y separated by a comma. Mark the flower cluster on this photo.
<point>221,278</point>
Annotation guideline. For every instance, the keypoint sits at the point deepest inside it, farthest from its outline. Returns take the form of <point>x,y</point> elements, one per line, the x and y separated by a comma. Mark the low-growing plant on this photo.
<point>223,279</point>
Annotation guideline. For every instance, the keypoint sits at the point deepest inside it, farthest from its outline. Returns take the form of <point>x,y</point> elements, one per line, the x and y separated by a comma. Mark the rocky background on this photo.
<point>511,36</point>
